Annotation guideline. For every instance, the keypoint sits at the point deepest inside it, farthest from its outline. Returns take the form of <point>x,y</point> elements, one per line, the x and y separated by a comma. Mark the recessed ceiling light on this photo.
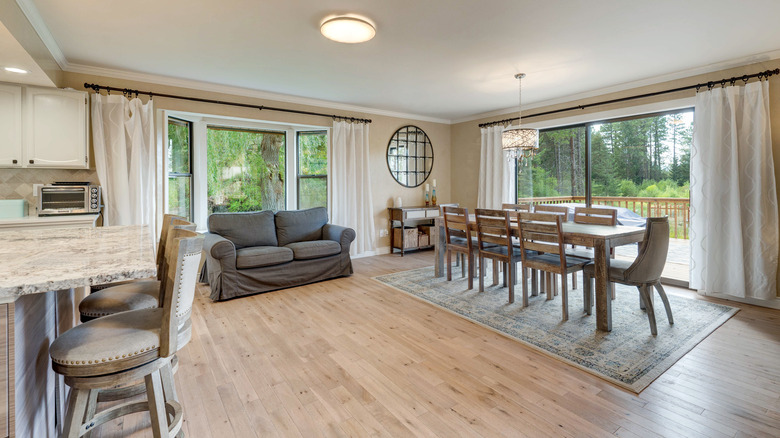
<point>16,70</point>
<point>348,29</point>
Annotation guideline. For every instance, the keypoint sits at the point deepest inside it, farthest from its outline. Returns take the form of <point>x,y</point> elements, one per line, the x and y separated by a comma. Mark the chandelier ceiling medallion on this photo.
<point>520,143</point>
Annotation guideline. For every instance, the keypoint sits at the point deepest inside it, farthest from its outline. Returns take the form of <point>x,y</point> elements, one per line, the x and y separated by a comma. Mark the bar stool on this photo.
<point>133,295</point>
<point>120,349</point>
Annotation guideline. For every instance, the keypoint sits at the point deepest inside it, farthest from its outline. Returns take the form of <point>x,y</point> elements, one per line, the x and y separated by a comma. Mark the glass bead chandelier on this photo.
<point>520,143</point>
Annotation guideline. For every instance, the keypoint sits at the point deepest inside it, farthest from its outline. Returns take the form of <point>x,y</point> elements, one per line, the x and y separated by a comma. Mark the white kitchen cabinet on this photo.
<point>55,128</point>
<point>11,126</point>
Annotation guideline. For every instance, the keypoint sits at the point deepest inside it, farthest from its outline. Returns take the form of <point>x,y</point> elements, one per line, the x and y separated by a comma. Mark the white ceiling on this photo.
<point>446,59</point>
<point>12,54</point>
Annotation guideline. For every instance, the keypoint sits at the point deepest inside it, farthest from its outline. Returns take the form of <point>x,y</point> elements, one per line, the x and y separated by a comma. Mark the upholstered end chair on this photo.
<point>249,253</point>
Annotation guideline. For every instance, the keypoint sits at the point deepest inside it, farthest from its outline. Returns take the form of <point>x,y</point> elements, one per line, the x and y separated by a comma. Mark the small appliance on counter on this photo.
<point>63,198</point>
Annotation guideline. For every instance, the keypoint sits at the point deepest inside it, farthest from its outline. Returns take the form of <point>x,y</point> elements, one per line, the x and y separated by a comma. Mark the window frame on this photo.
<point>599,121</point>
<point>298,174</point>
<point>181,122</point>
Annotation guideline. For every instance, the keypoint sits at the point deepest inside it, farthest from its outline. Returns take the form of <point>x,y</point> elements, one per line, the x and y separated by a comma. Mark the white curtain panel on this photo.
<point>123,138</point>
<point>734,217</point>
<point>497,178</point>
<point>350,184</point>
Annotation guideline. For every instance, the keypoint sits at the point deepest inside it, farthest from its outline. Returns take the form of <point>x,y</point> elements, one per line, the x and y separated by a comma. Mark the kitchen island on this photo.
<point>44,273</point>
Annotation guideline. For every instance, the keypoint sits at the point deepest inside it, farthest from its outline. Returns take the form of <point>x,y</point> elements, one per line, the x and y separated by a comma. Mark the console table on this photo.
<point>405,223</point>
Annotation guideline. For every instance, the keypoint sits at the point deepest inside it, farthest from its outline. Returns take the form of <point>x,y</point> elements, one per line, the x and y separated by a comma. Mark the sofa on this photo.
<point>255,252</point>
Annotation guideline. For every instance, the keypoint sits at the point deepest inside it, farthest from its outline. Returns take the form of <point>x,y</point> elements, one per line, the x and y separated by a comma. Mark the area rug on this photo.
<point>628,356</point>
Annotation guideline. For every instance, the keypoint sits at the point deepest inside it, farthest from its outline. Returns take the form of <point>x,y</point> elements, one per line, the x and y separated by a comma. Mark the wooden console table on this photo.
<point>404,238</point>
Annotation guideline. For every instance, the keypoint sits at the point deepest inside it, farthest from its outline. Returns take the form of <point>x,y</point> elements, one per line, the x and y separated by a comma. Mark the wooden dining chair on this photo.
<point>644,272</point>
<point>494,237</point>
<point>118,350</point>
<point>592,216</point>
<point>554,209</point>
<point>458,256</point>
<point>525,207</point>
<point>459,240</point>
<point>543,233</point>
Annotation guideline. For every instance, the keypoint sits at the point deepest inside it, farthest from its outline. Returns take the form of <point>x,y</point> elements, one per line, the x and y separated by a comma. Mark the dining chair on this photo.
<point>494,237</point>
<point>543,233</point>
<point>458,256</point>
<point>523,206</point>
<point>592,216</point>
<point>119,349</point>
<point>134,295</point>
<point>459,240</point>
<point>644,272</point>
<point>564,212</point>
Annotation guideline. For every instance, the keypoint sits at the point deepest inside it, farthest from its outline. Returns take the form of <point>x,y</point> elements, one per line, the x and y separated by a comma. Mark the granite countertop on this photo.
<point>43,259</point>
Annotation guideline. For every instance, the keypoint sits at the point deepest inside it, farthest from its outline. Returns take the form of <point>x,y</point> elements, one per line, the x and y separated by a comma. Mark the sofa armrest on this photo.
<point>218,247</point>
<point>343,235</point>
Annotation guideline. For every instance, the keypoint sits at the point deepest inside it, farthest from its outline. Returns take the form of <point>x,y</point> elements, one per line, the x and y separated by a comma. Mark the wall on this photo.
<point>385,188</point>
<point>466,135</point>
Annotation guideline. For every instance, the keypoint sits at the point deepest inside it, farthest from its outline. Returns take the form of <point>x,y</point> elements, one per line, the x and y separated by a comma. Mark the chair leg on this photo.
<point>471,271</point>
<point>504,273</point>
<point>645,291</point>
<point>79,398</point>
<point>573,280</point>
<point>534,283</point>
<point>481,274</point>
<point>459,258</point>
<point>664,298</point>
<point>92,401</point>
<point>156,400</point>
<point>525,286</point>
<point>565,296</point>
<point>494,264</point>
<point>555,283</point>
<point>586,306</point>
<point>510,274</point>
<point>449,265</point>
<point>642,305</point>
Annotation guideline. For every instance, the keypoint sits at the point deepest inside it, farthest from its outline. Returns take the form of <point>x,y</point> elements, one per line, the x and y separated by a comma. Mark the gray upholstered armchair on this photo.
<point>249,253</point>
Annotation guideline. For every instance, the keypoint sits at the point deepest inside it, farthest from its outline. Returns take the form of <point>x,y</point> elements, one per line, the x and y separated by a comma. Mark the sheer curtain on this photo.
<point>123,138</point>
<point>734,217</point>
<point>497,177</point>
<point>350,188</point>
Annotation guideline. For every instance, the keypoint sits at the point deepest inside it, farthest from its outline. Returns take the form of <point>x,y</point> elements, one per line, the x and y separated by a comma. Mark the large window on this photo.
<point>245,169</point>
<point>312,169</point>
<point>179,168</point>
<point>559,167</point>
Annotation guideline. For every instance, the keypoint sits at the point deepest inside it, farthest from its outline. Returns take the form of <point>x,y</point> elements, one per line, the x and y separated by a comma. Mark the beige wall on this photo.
<point>466,135</point>
<point>385,188</point>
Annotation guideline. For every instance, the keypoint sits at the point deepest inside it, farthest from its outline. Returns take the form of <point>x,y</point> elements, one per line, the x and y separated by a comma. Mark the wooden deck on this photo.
<point>352,357</point>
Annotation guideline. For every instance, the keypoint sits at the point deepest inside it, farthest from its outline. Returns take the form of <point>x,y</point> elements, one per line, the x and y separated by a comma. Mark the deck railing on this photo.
<point>678,209</point>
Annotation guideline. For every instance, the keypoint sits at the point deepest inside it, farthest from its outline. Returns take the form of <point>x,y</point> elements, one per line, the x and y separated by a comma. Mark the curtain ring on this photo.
<point>697,87</point>
<point>709,85</point>
<point>745,79</point>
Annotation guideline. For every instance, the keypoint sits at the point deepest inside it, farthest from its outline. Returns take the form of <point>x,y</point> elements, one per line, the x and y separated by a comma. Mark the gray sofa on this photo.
<point>250,253</point>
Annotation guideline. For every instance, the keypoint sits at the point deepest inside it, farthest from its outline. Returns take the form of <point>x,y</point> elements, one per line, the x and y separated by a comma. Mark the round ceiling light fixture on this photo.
<point>348,29</point>
<point>16,70</point>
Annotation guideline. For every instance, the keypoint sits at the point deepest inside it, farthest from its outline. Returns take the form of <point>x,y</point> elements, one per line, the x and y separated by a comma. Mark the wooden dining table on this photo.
<point>599,237</point>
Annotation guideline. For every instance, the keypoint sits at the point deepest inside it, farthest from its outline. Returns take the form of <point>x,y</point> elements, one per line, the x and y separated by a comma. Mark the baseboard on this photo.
<point>772,304</point>
<point>378,251</point>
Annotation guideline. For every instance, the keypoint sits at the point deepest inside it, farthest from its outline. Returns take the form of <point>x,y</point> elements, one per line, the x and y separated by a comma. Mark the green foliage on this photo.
<point>628,188</point>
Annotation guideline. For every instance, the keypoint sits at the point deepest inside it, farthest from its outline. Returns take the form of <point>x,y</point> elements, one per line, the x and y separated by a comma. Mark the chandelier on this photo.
<point>520,143</point>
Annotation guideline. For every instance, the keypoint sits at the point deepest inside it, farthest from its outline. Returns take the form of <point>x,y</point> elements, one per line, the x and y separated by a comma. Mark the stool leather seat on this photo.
<point>136,295</point>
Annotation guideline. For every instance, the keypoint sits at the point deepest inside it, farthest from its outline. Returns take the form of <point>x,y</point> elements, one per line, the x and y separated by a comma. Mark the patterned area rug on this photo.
<point>629,356</point>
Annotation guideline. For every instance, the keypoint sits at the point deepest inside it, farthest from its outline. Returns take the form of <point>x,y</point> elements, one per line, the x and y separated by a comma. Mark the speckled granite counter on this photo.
<point>48,259</point>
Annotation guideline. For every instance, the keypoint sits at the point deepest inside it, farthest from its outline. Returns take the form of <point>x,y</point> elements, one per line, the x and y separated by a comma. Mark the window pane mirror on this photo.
<point>410,156</point>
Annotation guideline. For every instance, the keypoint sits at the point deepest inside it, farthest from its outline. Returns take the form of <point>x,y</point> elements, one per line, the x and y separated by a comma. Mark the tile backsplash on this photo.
<point>18,183</point>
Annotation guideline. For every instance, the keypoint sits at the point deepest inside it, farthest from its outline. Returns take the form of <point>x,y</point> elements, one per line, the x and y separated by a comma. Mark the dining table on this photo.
<point>599,237</point>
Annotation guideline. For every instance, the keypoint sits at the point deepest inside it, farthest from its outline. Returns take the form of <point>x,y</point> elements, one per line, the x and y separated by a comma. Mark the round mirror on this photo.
<point>410,156</point>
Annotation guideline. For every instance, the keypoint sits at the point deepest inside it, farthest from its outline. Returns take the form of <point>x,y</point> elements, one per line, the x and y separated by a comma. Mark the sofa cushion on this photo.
<point>314,249</point>
<point>300,225</point>
<point>259,256</point>
<point>245,229</point>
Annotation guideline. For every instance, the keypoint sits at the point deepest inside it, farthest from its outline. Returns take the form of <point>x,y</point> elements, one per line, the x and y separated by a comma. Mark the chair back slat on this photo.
<point>174,223</point>
<point>166,223</point>
<point>524,207</point>
<point>541,232</point>
<point>650,261</point>
<point>183,255</point>
<point>456,224</point>
<point>595,216</point>
<point>493,226</point>
<point>554,209</point>
<point>441,207</point>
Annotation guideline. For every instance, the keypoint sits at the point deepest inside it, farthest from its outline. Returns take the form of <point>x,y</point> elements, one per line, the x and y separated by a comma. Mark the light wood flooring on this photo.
<point>352,357</point>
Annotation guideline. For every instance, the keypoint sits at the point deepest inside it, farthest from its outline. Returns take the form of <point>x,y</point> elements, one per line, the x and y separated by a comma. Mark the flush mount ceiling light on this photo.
<point>348,29</point>
<point>16,70</point>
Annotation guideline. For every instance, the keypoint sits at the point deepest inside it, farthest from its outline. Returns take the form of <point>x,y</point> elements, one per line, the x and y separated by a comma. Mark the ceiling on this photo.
<point>444,59</point>
<point>12,54</point>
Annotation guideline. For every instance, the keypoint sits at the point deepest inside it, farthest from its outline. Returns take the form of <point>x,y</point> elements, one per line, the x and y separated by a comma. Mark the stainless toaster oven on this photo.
<point>64,198</point>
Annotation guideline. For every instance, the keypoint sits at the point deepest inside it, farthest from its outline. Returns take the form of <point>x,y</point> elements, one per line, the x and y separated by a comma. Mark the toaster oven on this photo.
<point>68,198</point>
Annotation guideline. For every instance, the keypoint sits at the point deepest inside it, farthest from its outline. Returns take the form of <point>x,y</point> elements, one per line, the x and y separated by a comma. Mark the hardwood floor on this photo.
<point>352,357</point>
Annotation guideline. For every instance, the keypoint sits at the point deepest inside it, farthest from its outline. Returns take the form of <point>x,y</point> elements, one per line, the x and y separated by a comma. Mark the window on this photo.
<point>558,169</point>
<point>180,168</point>
<point>312,169</point>
<point>245,169</point>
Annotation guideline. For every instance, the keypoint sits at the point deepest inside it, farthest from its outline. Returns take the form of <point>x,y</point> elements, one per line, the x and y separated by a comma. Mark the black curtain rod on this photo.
<point>709,85</point>
<point>127,91</point>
